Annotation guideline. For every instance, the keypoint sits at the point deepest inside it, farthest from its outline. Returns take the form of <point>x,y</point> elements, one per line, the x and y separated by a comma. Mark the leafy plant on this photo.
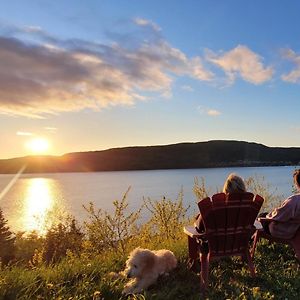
<point>60,239</point>
<point>111,230</point>
<point>167,217</point>
<point>200,189</point>
<point>26,245</point>
<point>258,185</point>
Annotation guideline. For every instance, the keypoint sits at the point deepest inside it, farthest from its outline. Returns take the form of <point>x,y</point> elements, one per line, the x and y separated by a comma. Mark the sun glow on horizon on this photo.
<point>38,145</point>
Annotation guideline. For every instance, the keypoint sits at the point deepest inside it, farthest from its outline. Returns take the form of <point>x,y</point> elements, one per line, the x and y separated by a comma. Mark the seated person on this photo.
<point>285,219</point>
<point>233,184</point>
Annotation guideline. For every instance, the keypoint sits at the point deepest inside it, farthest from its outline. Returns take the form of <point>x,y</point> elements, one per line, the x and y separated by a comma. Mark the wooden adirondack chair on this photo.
<point>228,221</point>
<point>294,242</point>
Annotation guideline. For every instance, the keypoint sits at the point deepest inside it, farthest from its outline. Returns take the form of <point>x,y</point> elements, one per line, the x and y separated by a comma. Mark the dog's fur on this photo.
<point>144,266</point>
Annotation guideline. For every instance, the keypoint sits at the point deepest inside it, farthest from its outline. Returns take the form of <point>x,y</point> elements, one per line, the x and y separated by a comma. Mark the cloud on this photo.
<point>51,129</point>
<point>208,111</point>
<point>41,75</point>
<point>242,62</point>
<point>187,88</point>
<point>147,23</point>
<point>213,112</point>
<point>294,75</point>
<point>24,133</point>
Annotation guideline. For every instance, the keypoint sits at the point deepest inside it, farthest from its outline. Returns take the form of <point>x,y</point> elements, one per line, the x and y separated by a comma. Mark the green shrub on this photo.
<point>60,239</point>
<point>105,230</point>
<point>167,216</point>
<point>258,185</point>
<point>26,245</point>
<point>200,189</point>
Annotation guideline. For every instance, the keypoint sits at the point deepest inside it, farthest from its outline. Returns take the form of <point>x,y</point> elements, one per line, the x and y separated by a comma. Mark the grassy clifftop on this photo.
<point>87,277</point>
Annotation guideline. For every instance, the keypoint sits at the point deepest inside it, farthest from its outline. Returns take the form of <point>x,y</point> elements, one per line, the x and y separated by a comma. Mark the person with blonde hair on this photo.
<point>233,184</point>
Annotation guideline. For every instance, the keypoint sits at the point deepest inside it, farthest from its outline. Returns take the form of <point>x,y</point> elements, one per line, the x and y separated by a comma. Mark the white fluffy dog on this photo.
<point>144,266</point>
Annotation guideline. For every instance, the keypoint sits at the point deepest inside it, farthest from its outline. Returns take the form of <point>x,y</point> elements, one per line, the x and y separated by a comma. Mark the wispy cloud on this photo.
<point>40,74</point>
<point>241,62</point>
<point>187,88</point>
<point>24,133</point>
<point>294,75</point>
<point>213,112</point>
<point>208,111</point>
<point>51,129</point>
<point>148,23</point>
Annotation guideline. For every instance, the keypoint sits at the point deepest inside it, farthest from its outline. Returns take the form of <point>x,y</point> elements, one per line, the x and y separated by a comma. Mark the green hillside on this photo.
<point>176,156</point>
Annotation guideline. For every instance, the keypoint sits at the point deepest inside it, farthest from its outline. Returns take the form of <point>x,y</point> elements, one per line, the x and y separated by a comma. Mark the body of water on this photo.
<point>27,203</point>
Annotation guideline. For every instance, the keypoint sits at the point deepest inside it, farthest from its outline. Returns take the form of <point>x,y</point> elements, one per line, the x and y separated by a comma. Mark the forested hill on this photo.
<point>176,156</point>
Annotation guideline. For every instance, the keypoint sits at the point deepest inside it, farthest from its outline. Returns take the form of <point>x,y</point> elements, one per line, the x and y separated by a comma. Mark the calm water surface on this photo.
<point>35,199</point>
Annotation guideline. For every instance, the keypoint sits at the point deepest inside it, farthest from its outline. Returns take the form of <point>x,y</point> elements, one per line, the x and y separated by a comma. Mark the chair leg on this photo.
<point>204,259</point>
<point>256,238</point>
<point>250,263</point>
<point>193,262</point>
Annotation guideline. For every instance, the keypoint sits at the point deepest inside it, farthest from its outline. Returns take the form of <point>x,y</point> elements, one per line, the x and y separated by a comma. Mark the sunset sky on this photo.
<point>91,75</point>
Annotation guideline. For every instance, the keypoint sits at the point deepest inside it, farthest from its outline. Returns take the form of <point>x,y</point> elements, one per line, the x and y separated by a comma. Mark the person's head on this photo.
<point>297,178</point>
<point>234,184</point>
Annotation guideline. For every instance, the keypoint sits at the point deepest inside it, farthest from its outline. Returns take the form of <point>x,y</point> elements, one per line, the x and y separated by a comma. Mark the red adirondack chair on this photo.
<point>294,242</point>
<point>228,221</point>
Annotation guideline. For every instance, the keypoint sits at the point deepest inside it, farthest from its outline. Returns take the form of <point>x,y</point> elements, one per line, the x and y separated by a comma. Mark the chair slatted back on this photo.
<point>228,221</point>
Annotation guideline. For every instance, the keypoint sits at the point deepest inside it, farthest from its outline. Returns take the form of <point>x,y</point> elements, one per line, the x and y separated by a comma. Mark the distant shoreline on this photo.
<point>136,170</point>
<point>211,154</point>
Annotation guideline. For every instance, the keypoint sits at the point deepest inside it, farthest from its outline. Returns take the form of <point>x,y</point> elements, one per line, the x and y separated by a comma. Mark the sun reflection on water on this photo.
<point>38,202</point>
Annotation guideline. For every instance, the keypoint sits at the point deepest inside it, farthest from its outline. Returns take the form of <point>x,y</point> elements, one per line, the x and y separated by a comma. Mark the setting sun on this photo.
<point>38,145</point>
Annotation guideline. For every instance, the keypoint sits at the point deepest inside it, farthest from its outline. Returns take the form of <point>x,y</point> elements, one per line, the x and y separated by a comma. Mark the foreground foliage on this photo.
<point>6,240</point>
<point>87,277</point>
<point>73,262</point>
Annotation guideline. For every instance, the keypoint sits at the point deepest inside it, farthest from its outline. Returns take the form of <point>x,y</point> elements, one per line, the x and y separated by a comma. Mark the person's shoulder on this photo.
<point>294,197</point>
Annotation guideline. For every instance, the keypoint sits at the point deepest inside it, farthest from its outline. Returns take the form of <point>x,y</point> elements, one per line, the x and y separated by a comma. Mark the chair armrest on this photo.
<point>257,224</point>
<point>192,232</point>
<point>263,219</point>
<point>267,220</point>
